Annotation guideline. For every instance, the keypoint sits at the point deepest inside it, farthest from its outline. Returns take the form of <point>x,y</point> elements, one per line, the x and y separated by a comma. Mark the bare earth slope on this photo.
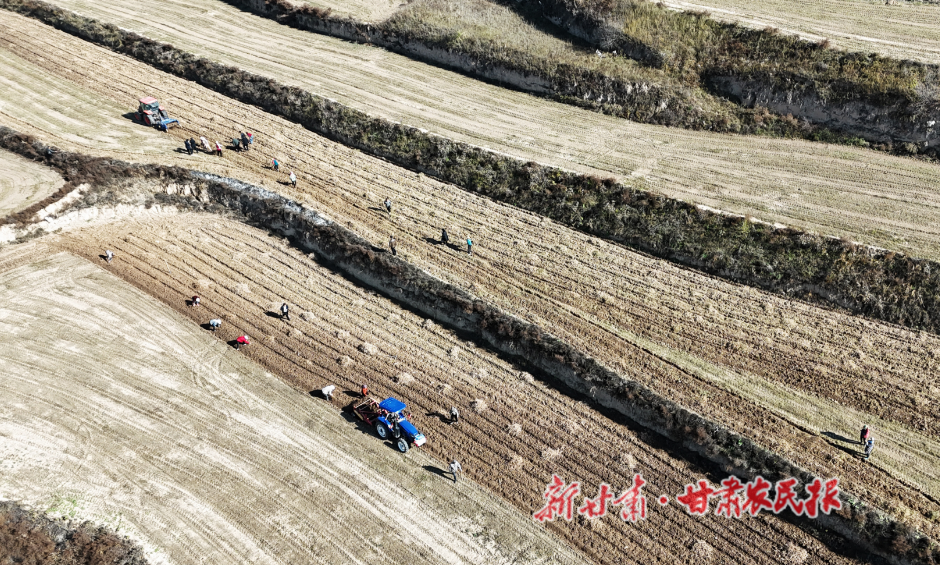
<point>117,409</point>
<point>902,29</point>
<point>868,196</point>
<point>705,343</point>
<point>515,431</point>
<point>23,183</point>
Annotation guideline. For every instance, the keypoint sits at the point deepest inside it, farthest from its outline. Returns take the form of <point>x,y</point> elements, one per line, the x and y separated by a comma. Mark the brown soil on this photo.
<point>646,318</point>
<point>118,410</point>
<point>166,258</point>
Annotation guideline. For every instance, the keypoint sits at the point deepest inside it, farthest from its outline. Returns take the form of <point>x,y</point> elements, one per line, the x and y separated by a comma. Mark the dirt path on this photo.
<point>867,196</point>
<point>515,431</point>
<point>901,29</point>
<point>23,183</point>
<point>372,11</point>
<point>650,320</point>
<point>117,409</point>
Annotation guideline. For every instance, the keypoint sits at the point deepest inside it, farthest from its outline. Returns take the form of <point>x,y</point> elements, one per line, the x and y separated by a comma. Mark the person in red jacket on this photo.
<point>242,340</point>
<point>365,391</point>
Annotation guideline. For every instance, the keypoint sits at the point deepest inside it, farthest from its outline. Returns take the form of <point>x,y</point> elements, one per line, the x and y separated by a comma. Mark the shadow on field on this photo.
<point>271,314</point>
<point>437,471</point>
<point>379,209</point>
<point>444,418</point>
<point>837,437</point>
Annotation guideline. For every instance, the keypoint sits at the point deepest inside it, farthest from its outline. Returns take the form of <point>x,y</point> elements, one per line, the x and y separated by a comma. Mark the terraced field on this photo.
<point>864,195</point>
<point>902,29</point>
<point>119,410</point>
<point>752,361</point>
<point>23,183</point>
<point>515,431</point>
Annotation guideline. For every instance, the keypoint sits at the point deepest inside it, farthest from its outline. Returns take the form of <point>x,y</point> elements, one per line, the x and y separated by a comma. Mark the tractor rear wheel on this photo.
<point>381,430</point>
<point>402,445</point>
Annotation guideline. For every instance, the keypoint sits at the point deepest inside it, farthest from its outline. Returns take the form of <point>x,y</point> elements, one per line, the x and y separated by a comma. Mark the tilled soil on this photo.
<point>864,195</point>
<point>650,320</point>
<point>23,183</point>
<point>514,431</point>
<point>115,409</point>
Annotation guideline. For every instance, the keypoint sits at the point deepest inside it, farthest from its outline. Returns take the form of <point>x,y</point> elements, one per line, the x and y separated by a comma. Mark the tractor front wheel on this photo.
<point>402,445</point>
<point>381,430</point>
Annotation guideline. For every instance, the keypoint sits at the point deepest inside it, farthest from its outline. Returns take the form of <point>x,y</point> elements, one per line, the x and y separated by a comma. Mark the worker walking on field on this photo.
<point>293,179</point>
<point>285,314</point>
<point>244,139</point>
<point>365,390</point>
<point>454,415</point>
<point>869,447</point>
<point>388,206</point>
<point>864,435</point>
<point>241,340</point>
<point>108,256</point>
<point>189,148</point>
<point>469,246</point>
<point>275,165</point>
<point>455,468</point>
<point>445,239</point>
<point>205,144</point>
<point>218,148</point>
<point>391,245</point>
<point>214,324</point>
<point>192,145</point>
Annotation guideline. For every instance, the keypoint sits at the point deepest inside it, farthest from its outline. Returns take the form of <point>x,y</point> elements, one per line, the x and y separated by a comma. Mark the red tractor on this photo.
<point>152,113</point>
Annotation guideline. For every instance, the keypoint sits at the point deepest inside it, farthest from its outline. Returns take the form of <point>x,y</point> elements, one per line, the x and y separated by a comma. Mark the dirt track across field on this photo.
<point>868,196</point>
<point>675,330</point>
<point>515,431</point>
<point>23,183</point>
<point>117,409</point>
<point>902,29</point>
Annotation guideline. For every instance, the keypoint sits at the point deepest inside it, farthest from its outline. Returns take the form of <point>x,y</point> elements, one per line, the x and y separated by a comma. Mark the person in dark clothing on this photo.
<point>391,245</point>
<point>388,206</point>
<point>285,315</point>
<point>192,145</point>
<point>244,139</point>
<point>189,148</point>
<point>454,415</point>
<point>869,447</point>
<point>445,239</point>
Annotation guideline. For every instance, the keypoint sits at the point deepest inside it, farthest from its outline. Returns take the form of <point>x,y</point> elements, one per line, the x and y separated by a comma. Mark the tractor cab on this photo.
<point>152,113</point>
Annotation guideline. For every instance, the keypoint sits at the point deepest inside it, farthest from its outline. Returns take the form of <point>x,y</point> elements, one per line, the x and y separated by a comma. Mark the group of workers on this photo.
<point>445,238</point>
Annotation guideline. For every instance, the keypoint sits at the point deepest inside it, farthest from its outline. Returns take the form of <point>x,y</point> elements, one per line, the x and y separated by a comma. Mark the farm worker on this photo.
<point>455,468</point>
<point>284,312</point>
<point>454,415</point>
<point>275,165</point>
<point>293,179</point>
<point>108,255</point>
<point>251,138</point>
<point>391,245</point>
<point>869,447</point>
<point>205,144</point>
<point>242,340</point>
<point>244,139</point>
<point>328,392</point>
<point>192,145</point>
<point>444,237</point>
<point>194,302</point>
<point>214,324</point>
<point>189,148</point>
<point>469,245</point>
<point>365,390</point>
<point>865,434</point>
<point>218,149</point>
<point>388,206</point>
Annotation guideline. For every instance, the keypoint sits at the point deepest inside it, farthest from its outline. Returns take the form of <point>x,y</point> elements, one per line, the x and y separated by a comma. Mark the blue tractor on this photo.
<point>390,421</point>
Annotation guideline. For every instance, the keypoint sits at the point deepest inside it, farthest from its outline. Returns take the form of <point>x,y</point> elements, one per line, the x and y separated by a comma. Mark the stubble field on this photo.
<point>515,431</point>
<point>23,183</point>
<point>119,410</point>
<point>752,361</point>
<point>865,195</point>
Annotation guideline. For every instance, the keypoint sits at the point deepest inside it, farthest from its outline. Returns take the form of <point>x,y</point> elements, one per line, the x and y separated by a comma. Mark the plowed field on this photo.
<point>901,29</point>
<point>23,183</point>
<point>515,432</point>
<point>867,196</point>
<point>693,338</point>
<point>117,409</point>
